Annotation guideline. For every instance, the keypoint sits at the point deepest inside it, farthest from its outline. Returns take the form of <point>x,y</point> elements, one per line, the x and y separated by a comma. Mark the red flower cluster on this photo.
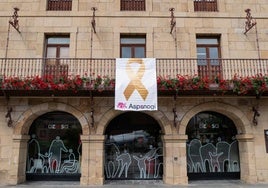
<point>42,83</point>
<point>242,85</point>
<point>182,83</point>
<point>238,85</point>
<point>57,83</point>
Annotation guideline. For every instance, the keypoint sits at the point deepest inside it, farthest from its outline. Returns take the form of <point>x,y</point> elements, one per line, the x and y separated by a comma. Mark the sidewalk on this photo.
<point>130,184</point>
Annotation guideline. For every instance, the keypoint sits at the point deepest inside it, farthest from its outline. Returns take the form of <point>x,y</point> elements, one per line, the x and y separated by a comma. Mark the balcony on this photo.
<point>226,69</point>
<point>59,5</point>
<point>132,5</point>
<point>205,6</point>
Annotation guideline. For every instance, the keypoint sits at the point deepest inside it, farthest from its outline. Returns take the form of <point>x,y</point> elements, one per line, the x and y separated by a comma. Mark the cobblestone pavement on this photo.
<point>135,184</point>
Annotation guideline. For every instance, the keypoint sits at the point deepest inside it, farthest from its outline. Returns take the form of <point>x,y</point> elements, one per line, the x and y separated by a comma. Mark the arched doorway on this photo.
<point>212,149</point>
<point>54,150</point>
<point>133,148</point>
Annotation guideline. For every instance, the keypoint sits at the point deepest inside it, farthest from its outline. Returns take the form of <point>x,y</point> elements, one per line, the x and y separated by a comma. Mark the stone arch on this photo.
<point>21,130</point>
<point>160,117</point>
<point>26,119</point>
<point>239,118</point>
<point>244,135</point>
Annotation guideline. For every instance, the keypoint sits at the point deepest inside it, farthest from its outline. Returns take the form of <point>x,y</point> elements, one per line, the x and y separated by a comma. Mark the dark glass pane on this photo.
<point>201,56</point>
<point>214,54</point>
<point>126,52</point>
<point>51,52</point>
<point>64,52</point>
<point>139,52</point>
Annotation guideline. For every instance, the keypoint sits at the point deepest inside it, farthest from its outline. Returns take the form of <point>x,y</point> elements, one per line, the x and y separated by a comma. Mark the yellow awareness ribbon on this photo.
<point>135,79</point>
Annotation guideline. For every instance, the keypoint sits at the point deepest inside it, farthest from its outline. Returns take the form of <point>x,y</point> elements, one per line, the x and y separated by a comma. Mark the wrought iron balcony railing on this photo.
<point>205,5</point>
<point>225,68</point>
<point>59,5</point>
<point>132,5</point>
<point>84,77</point>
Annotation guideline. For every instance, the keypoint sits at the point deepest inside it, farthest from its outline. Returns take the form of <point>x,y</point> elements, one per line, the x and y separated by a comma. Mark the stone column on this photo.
<point>92,160</point>
<point>247,158</point>
<point>84,160</point>
<point>175,166</point>
<point>18,159</point>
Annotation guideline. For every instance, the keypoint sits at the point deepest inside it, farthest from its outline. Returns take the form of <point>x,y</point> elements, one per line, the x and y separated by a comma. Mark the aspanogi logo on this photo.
<point>135,79</point>
<point>121,105</point>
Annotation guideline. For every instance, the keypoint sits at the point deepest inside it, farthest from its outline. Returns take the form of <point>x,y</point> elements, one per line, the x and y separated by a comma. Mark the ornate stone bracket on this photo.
<point>14,22</point>
<point>255,115</point>
<point>8,114</point>
<point>9,118</point>
<point>92,109</point>
<point>93,25</point>
<point>14,19</point>
<point>172,21</point>
<point>93,21</point>
<point>175,110</point>
<point>173,27</point>
<point>250,22</point>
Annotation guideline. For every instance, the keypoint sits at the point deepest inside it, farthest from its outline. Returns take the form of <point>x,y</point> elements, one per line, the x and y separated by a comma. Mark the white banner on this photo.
<point>135,84</point>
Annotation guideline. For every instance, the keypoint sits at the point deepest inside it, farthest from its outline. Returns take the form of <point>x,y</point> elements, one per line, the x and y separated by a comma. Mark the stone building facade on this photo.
<point>95,118</point>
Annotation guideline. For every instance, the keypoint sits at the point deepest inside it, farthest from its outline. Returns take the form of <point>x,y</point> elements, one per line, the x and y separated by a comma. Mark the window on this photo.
<point>57,48</point>
<point>212,149</point>
<point>133,46</point>
<point>208,54</point>
<point>63,5</point>
<point>55,149</point>
<point>205,5</point>
<point>132,5</point>
<point>133,148</point>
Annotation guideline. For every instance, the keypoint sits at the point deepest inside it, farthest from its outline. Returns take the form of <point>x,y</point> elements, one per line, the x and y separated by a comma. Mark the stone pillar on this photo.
<point>18,159</point>
<point>92,160</point>
<point>175,165</point>
<point>247,158</point>
<point>84,160</point>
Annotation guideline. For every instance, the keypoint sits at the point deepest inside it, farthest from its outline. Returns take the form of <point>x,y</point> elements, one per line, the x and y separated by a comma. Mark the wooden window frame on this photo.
<point>212,71</point>
<point>132,46</point>
<point>58,46</point>
<point>207,46</point>
<point>55,67</point>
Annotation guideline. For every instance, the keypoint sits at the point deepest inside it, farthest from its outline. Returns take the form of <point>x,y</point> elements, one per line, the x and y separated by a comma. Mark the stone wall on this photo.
<point>229,22</point>
<point>251,139</point>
